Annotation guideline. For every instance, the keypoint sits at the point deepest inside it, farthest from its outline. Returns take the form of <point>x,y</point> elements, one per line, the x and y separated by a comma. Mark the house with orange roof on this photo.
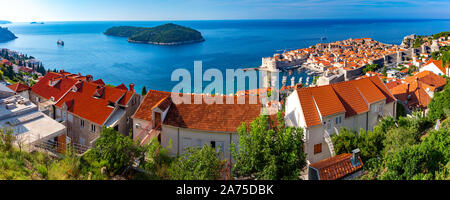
<point>436,67</point>
<point>181,125</point>
<point>21,89</point>
<point>6,62</point>
<point>321,111</point>
<point>415,92</point>
<point>346,166</point>
<point>85,106</point>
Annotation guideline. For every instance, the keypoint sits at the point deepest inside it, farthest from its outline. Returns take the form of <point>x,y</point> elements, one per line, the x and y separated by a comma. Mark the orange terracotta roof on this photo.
<point>382,87</point>
<point>416,85</point>
<point>370,91</point>
<point>326,100</point>
<point>19,87</point>
<point>393,84</point>
<point>122,86</point>
<point>310,113</point>
<point>151,99</point>
<point>351,98</point>
<point>212,117</point>
<point>336,167</point>
<point>42,87</point>
<point>82,103</point>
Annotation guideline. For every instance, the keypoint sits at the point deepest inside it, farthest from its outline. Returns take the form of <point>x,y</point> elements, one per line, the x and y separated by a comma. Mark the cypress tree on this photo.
<point>144,91</point>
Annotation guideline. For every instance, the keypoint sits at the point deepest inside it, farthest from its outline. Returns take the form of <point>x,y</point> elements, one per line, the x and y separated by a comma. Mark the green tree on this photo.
<point>144,91</point>
<point>370,143</point>
<point>117,151</point>
<point>157,160</point>
<point>197,164</point>
<point>269,152</point>
<point>370,68</point>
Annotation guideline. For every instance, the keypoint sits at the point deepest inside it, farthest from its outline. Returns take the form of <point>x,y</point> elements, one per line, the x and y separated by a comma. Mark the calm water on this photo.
<point>228,45</point>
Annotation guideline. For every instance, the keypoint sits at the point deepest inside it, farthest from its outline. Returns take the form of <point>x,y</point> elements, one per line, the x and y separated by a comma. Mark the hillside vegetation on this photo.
<point>168,34</point>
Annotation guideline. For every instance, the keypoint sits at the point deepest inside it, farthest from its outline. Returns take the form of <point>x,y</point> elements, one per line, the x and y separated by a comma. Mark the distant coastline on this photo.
<point>169,43</point>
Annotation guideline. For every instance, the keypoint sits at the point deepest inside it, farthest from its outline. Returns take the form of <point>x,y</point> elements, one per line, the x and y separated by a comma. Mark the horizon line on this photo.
<point>262,19</point>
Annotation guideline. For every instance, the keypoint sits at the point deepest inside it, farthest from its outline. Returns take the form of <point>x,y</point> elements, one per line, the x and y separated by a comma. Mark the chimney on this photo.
<point>132,87</point>
<point>355,157</point>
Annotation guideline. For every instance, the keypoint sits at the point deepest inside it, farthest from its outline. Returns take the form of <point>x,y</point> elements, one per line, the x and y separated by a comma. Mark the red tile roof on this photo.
<point>99,82</point>
<point>336,167</point>
<point>19,87</point>
<point>369,91</point>
<point>351,97</point>
<point>416,86</point>
<point>310,113</point>
<point>92,101</point>
<point>212,117</point>
<point>382,87</point>
<point>82,103</point>
<point>122,87</point>
<point>208,117</point>
<point>151,99</point>
<point>43,88</point>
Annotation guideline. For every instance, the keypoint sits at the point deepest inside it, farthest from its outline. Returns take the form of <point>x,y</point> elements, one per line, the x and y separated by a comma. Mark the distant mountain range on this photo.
<point>6,35</point>
<point>167,34</point>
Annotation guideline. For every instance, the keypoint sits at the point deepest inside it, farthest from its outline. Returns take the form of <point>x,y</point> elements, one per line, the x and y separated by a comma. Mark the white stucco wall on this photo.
<point>315,136</point>
<point>294,114</point>
<point>433,68</point>
<point>182,137</point>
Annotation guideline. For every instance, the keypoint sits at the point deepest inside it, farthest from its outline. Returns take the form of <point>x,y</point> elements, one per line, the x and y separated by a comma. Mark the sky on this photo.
<point>118,10</point>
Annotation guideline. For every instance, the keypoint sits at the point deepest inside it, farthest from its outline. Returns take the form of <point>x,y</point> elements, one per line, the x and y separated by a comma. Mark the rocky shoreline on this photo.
<point>168,44</point>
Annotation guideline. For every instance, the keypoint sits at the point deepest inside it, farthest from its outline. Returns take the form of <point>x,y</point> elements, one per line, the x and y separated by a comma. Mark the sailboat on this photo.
<point>60,42</point>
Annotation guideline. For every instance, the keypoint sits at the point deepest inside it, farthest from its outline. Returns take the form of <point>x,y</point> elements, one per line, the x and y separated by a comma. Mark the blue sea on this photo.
<point>228,44</point>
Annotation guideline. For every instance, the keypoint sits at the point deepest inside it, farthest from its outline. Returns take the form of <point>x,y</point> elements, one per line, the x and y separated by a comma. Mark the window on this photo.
<point>70,118</point>
<point>329,124</point>
<point>199,143</point>
<point>318,148</point>
<point>213,144</point>
<point>338,120</point>
<point>92,128</point>
<point>82,123</point>
<point>63,115</point>
<point>375,108</point>
<point>82,142</point>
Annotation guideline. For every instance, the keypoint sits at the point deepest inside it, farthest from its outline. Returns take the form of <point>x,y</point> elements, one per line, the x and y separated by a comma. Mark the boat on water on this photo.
<point>60,42</point>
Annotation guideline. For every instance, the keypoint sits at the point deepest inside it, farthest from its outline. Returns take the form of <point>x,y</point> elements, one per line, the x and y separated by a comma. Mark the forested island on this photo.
<point>167,34</point>
<point>6,35</point>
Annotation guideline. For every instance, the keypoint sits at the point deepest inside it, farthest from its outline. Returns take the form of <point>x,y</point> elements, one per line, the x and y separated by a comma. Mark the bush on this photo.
<point>116,151</point>
<point>197,164</point>
<point>268,152</point>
